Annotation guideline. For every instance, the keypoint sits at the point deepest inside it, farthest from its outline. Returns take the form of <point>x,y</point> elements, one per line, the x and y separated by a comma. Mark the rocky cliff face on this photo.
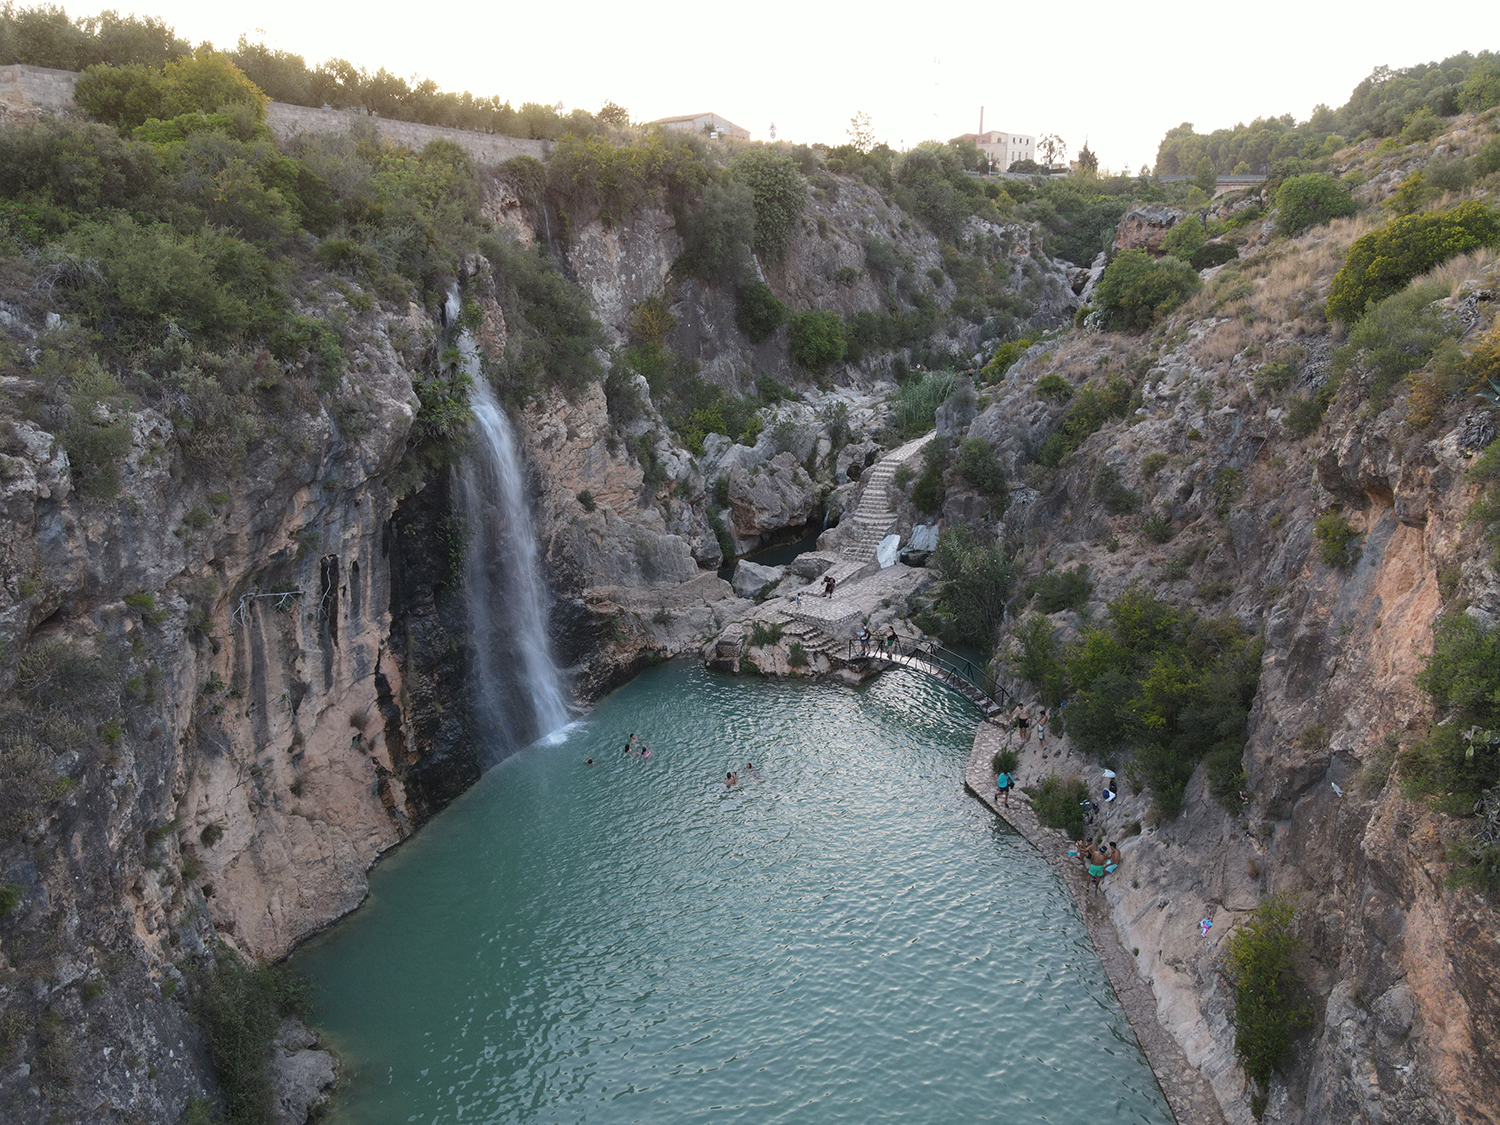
<point>1399,965</point>
<point>239,764</point>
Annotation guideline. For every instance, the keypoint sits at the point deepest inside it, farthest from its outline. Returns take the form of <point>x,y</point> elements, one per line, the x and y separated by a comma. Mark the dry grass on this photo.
<point>1465,267</point>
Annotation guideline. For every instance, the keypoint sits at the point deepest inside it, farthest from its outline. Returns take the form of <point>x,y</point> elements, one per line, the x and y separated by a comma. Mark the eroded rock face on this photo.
<point>1143,228</point>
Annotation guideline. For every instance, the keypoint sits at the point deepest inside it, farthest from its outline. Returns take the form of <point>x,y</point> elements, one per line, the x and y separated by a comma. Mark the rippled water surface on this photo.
<point>844,936</point>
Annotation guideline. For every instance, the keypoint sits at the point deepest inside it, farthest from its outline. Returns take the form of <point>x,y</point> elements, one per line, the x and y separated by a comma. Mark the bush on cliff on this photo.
<point>1384,261</point>
<point>1310,201</point>
<point>975,580</point>
<point>1271,1007</point>
<point>780,196</point>
<point>206,81</point>
<point>758,312</point>
<point>1137,290</point>
<point>817,340</point>
<point>1456,761</point>
<point>1168,683</point>
<point>240,1008</point>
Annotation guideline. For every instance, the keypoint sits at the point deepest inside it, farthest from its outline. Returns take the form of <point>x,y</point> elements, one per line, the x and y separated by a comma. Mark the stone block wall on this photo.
<point>486,148</point>
<point>38,87</point>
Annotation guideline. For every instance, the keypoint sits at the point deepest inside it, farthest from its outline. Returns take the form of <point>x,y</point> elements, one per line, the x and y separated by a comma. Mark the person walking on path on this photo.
<point>1005,782</point>
<point>864,640</point>
<point>1041,727</point>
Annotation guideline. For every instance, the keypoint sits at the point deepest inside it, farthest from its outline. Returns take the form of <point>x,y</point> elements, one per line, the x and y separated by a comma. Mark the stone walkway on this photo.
<point>1187,1090</point>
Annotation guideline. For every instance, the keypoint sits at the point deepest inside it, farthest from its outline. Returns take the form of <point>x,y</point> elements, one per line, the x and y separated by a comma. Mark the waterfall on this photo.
<point>518,692</point>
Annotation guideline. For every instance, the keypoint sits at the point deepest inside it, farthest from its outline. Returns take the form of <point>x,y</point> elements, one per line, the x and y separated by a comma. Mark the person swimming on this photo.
<point>730,778</point>
<point>588,761</point>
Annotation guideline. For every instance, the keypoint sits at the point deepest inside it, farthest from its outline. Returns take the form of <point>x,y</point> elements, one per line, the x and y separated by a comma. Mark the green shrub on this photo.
<point>1486,159</point>
<point>1213,254</point>
<point>1224,765</point>
<point>1227,485</point>
<point>1110,491</point>
<point>1137,290</point>
<point>929,493</point>
<point>10,898</point>
<point>1270,1004</point>
<point>1185,239</point>
<point>1005,356</point>
<point>1309,201</point>
<point>551,334</point>
<point>203,82</point>
<point>975,581</point>
<point>817,340</point>
<point>762,634</point>
<point>796,655</point>
<point>779,194</point>
<point>758,312</point>
<point>1164,681</point>
<point>716,235</point>
<point>1034,657</point>
<point>722,535</point>
<point>1157,527</point>
<point>1153,463</point>
<point>978,465</point>
<point>1338,540</point>
<point>1059,804</point>
<point>1395,337</point>
<point>1462,678</point>
<point>1304,413</point>
<point>1005,761</point>
<point>586,500</point>
<point>1384,261</point>
<point>132,280</point>
<point>239,1008</point>
<point>1092,406</point>
<point>1054,388</point>
<point>1057,590</point>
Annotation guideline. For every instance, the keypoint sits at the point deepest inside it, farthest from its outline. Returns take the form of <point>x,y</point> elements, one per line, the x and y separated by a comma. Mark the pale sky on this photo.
<point>1120,76</point>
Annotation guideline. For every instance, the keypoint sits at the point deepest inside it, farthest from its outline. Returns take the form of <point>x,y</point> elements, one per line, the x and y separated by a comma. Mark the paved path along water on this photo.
<point>1189,1093</point>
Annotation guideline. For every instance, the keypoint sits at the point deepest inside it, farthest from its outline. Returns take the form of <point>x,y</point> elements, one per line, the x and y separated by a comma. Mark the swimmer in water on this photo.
<point>645,754</point>
<point>588,761</point>
<point>729,778</point>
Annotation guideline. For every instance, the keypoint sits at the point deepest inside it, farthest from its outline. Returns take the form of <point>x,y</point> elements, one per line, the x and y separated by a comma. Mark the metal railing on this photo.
<point>935,660</point>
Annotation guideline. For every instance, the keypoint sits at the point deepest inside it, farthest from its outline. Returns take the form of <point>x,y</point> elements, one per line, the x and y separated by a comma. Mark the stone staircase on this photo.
<point>818,622</point>
<point>873,518</point>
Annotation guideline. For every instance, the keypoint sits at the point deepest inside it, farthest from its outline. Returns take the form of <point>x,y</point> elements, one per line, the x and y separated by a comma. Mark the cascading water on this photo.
<point>518,691</point>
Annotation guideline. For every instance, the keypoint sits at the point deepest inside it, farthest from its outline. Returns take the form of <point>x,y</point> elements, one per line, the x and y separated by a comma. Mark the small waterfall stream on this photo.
<point>518,692</point>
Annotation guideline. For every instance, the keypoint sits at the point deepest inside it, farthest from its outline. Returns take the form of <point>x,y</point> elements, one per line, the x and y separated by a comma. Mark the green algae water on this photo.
<point>844,936</point>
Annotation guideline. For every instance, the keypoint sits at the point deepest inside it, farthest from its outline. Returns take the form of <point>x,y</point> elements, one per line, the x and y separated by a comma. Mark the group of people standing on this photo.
<point>1098,858</point>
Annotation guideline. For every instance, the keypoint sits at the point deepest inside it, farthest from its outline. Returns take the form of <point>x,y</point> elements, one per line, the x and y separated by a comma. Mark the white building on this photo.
<point>1003,148</point>
<point>697,122</point>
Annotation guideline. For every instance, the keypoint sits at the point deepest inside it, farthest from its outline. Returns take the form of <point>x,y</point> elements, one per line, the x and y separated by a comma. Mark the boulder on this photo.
<point>751,578</point>
<point>302,1078</point>
<point>1143,228</point>
<point>924,537</point>
<point>885,554</point>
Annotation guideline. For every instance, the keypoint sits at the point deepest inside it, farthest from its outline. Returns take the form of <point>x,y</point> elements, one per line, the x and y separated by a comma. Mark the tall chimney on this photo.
<point>981,121</point>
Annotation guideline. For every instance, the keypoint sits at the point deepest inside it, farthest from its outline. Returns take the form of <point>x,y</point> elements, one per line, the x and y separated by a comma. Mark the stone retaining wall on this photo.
<point>38,87</point>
